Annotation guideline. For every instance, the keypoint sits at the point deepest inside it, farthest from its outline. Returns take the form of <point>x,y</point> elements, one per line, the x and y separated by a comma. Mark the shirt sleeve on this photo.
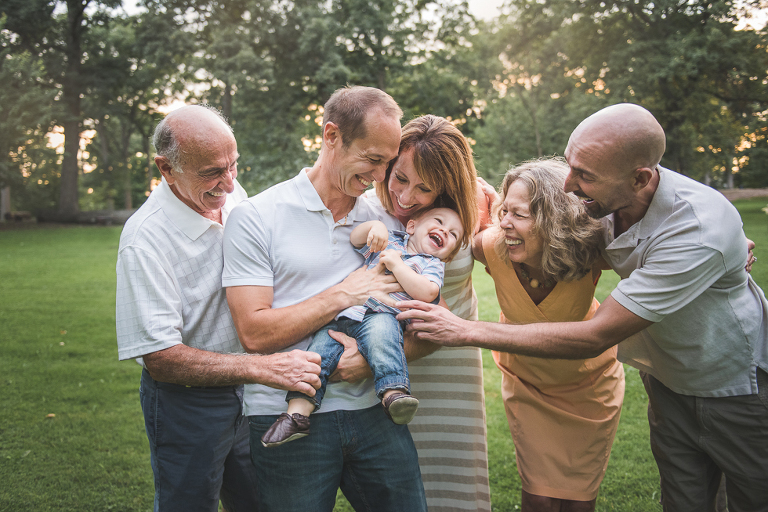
<point>247,261</point>
<point>670,278</point>
<point>148,307</point>
<point>434,270</point>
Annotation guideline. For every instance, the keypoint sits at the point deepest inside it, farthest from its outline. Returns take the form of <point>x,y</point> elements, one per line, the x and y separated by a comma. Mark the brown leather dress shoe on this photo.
<point>287,428</point>
<point>400,407</point>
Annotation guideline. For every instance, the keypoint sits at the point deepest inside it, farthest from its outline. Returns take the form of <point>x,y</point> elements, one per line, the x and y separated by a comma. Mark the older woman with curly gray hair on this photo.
<point>542,254</point>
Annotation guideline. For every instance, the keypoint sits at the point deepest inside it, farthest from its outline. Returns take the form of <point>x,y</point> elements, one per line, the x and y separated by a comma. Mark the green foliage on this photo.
<point>516,85</point>
<point>57,309</point>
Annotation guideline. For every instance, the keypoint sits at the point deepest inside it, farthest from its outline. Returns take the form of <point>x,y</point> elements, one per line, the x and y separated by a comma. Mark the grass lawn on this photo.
<point>71,431</point>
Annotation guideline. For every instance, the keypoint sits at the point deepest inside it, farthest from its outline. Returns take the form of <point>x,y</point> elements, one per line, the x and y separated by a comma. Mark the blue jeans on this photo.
<point>373,460</point>
<point>380,341</point>
<point>198,442</point>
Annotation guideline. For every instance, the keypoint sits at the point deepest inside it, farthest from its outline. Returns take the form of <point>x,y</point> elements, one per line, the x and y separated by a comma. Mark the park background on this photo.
<point>83,82</point>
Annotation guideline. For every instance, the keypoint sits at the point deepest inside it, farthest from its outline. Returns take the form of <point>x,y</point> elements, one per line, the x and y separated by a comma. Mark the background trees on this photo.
<point>516,85</point>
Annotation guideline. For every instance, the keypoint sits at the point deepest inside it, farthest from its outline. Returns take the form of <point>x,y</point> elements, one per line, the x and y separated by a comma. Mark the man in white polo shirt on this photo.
<point>685,313</point>
<point>287,260</point>
<point>172,316</point>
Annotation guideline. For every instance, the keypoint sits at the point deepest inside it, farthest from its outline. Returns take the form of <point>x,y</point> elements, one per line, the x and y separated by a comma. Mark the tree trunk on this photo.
<point>5,202</point>
<point>226,102</point>
<point>104,144</point>
<point>71,90</point>
<point>68,194</point>
<point>729,171</point>
<point>127,131</point>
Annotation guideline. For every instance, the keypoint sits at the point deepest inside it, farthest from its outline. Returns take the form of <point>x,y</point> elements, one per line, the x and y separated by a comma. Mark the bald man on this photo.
<point>173,318</point>
<point>686,313</point>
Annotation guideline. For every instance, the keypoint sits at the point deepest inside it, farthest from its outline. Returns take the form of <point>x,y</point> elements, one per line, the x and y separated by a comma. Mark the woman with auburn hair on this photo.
<point>435,169</point>
<point>543,256</point>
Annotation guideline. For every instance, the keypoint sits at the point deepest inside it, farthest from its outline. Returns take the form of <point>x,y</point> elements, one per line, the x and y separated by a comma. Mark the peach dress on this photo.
<point>562,414</point>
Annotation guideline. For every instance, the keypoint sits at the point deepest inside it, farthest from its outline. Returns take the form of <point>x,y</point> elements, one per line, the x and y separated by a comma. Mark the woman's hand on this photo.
<point>352,366</point>
<point>486,197</point>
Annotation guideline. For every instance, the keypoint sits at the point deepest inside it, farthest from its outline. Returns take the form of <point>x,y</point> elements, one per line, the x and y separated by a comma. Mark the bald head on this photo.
<point>625,133</point>
<point>187,130</point>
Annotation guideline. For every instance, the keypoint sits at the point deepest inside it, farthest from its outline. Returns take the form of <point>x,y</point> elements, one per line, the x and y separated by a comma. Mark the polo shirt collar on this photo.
<point>182,216</point>
<point>661,207</point>
<point>314,203</point>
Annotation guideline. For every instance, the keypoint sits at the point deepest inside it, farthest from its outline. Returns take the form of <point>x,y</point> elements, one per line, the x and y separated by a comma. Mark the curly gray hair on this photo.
<point>570,237</point>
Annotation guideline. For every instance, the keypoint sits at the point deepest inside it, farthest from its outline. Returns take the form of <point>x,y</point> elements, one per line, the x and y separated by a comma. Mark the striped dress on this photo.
<point>449,427</point>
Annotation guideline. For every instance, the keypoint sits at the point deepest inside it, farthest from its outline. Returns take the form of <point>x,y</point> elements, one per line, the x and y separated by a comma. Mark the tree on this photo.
<point>687,62</point>
<point>135,62</point>
<point>57,40</point>
<point>24,116</point>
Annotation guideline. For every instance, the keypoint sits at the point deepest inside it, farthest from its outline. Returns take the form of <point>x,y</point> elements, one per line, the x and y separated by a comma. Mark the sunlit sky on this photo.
<point>485,9</point>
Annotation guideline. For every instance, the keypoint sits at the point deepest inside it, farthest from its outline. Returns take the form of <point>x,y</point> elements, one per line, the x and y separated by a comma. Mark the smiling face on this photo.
<point>595,178</point>
<point>208,163</point>
<point>409,194</point>
<point>365,159</point>
<point>607,155</point>
<point>436,232</point>
<point>523,244</point>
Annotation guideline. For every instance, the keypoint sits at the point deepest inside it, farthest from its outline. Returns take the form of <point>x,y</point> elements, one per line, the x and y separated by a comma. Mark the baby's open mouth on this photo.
<point>438,241</point>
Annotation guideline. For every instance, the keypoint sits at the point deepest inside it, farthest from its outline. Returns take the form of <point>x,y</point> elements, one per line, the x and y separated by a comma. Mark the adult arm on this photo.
<point>486,198</point>
<point>265,329</point>
<point>555,340</point>
<point>353,367</point>
<point>292,371</point>
<point>149,324</point>
<point>477,248</point>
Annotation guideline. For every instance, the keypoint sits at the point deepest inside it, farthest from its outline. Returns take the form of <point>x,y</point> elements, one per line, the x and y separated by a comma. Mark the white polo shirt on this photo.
<point>169,279</point>
<point>682,266</point>
<point>287,239</point>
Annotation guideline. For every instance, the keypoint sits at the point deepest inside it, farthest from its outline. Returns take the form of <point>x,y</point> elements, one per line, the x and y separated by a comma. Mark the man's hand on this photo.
<point>433,323</point>
<point>296,370</point>
<point>378,237</point>
<point>751,258</point>
<point>364,283</point>
<point>352,366</point>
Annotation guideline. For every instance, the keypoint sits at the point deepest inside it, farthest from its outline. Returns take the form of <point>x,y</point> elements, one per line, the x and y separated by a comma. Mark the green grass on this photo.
<point>58,356</point>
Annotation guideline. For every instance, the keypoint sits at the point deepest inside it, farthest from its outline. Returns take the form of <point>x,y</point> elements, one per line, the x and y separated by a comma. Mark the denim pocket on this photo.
<point>261,423</point>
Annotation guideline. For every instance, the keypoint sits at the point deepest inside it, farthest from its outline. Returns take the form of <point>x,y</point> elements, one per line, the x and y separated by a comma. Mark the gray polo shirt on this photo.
<point>285,238</point>
<point>682,267</point>
<point>169,278</point>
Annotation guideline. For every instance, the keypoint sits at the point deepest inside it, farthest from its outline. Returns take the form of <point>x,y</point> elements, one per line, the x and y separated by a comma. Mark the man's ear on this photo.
<point>331,135</point>
<point>643,176</point>
<point>410,227</point>
<point>166,169</point>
